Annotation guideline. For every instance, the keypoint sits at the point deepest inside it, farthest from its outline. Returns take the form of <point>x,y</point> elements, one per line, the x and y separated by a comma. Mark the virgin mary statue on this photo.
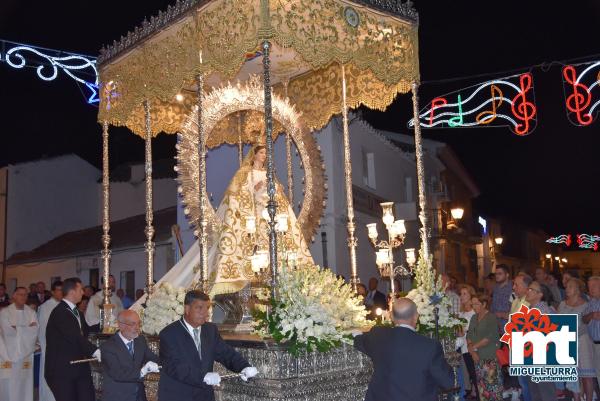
<point>233,241</point>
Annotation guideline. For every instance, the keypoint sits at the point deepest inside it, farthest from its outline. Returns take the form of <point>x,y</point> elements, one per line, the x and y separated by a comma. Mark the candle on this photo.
<point>255,263</point>
<point>399,227</point>
<point>383,257</point>
<point>282,223</point>
<point>372,230</point>
<point>251,224</point>
<point>410,256</point>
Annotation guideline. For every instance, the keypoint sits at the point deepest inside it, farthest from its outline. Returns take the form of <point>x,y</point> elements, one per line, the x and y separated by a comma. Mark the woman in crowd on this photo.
<point>466,292</point>
<point>576,304</point>
<point>482,338</point>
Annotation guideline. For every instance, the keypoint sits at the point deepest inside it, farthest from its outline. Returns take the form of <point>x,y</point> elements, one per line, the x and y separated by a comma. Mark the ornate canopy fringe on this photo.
<point>221,38</point>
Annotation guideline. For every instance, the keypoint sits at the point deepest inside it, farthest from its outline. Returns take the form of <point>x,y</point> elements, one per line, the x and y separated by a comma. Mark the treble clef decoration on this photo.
<point>580,99</point>
<point>523,109</point>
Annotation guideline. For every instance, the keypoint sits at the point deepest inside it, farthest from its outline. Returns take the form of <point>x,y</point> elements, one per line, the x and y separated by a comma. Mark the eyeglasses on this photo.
<point>534,289</point>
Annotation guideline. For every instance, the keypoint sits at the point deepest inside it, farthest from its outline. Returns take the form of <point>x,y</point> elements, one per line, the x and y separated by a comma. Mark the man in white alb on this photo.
<point>18,329</point>
<point>43,314</point>
<point>92,313</point>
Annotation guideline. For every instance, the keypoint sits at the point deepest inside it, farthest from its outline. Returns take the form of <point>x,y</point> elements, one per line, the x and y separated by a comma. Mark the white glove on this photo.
<point>96,355</point>
<point>248,373</point>
<point>460,341</point>
<point>149,367</point>
<point>212,379</point>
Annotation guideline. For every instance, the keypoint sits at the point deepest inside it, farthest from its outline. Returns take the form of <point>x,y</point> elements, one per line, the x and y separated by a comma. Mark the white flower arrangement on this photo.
<point>429,294</point>
<point>314,311</point>
<point>163,307</point>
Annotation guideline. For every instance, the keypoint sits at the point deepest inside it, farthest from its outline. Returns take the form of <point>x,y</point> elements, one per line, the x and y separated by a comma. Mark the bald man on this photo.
<point>126,359</point>
<point>407,366</point>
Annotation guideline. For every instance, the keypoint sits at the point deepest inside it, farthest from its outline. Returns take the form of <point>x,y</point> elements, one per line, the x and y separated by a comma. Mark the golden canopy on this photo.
<point>376,40</point>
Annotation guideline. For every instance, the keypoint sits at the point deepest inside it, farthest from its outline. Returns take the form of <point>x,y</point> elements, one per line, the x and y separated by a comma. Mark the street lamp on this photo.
<point>498,240</point>
<point>384,256</point>
<point>457,213</point>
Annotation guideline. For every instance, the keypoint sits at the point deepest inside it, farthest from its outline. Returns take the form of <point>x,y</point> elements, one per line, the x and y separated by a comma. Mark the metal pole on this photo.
<point>203,222</point>
<point>240,143</point>
<point>271,204</point>
<point>288,154</point>
<point>352,240</point>
<point>424,231</point>
<point>105,215</point>
<point>149,210</point>
<point>5,228</point>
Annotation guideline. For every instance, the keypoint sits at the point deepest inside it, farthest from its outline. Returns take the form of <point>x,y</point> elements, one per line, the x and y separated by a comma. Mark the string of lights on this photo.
<point>581,82</point>
<point>584,241</point>
<point>588,241</point>
<point>507,101</point>
<point>48,63</point>
<point>561,239</point>
<point>581,100</point>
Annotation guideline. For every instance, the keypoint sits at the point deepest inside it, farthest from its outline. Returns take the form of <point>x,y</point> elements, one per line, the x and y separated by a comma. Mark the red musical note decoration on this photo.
<point>523,109</point>
<point>580,99</point>
<point>435,103</point>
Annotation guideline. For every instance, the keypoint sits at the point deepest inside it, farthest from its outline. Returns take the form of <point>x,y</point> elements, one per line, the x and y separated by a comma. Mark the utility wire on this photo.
<point>544,66</point>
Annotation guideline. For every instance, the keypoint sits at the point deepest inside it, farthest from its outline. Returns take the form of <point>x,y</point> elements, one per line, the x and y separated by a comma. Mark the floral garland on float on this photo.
<point>162,308</point>
<point>314,311</point>
<point>429,295</point>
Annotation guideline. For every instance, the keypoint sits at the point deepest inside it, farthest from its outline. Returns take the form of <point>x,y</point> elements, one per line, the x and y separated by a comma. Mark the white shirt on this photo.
<point>126,341</point>
<point>73,306</point>
<point>190,329</point>
<point>406,326</point>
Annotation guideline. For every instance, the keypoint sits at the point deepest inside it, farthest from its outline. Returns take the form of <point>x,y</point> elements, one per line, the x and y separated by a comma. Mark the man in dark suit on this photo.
<point>407,366</point>
<point>374,299</point>
<point>126,359</point>
<point>188,349</point>
<point>65,342</point>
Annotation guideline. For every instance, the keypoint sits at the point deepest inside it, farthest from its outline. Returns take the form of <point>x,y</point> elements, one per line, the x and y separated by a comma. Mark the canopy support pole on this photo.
<point>352,240</point>
<point>424,231</point>
<point>271,204</point>
<point>149,231</point>
<point>105,215</point>
<point>203,221</point>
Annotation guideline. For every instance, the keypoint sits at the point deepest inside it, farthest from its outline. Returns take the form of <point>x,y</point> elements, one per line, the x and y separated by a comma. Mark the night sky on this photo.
<point>547,179</point>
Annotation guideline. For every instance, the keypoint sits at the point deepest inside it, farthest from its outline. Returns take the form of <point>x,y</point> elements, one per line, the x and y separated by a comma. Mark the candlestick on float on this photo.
<point>384,257</point>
